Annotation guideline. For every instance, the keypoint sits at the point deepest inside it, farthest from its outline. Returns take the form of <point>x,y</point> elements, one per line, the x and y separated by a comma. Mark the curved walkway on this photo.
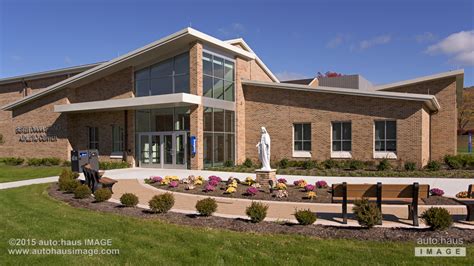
<point>328,214</point>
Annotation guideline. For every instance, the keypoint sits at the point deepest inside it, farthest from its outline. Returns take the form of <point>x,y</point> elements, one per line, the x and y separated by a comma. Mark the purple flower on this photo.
<point>173,184</point>
<point>309,187</point>
<point>296,183</point>
<point>213,182</point>
<point>321,184</point>
<point>209,188</point>
<point>436,192</point>
<point>252,191</point>
<point>155,179</point>
<point>213,177</point>
<point>282,180</point>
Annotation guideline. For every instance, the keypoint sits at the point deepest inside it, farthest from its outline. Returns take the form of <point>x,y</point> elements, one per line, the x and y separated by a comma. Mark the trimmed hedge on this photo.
<point>256,212</point>
<point>13,161</point>
<point>206,207</point>
<point>129,200</point>
<point>82,192</point>
<point>102,194</point>
<point>437,218</point>
<point>367,213</point>
<point>43,161</point>
<point>305,217</point>
<point>161,203</point>
<point>113,165</point>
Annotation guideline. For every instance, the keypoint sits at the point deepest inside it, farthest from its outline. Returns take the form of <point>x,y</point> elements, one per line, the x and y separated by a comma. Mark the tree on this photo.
<point>329,74</point>
<point>466,110</point>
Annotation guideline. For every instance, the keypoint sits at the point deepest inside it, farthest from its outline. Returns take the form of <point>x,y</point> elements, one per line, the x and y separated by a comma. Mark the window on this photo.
<point>219,136</point>
<point>117,138</point>
<point>218,77</point>
<point>302,139</point>
<point>385,136</point>
<point>341,136</point>
<point>93,138</point>
<point>165,77</point>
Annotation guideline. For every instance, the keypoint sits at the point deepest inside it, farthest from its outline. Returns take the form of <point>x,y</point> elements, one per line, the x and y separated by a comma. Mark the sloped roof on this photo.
<point>164,45</point>
<point>452,73</point>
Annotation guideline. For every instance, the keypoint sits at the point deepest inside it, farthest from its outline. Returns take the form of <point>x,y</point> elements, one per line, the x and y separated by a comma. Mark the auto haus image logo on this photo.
<point>450,247</point>
<point>37,133</point>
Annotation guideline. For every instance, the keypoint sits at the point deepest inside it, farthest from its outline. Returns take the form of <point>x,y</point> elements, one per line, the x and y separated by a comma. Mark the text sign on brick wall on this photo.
<point>37,133</point>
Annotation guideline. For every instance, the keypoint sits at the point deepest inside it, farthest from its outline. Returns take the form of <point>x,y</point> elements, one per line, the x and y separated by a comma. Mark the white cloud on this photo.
<point>377,40</point>
<point>459,45</point>
<point>286,75</point>
<point>235,30</point>
<point>338,40</point>
<point>425,37</point>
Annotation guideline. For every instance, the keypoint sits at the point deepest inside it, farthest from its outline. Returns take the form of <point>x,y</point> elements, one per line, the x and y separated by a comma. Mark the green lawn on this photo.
<point>15,173</point>
<point>28,212</point>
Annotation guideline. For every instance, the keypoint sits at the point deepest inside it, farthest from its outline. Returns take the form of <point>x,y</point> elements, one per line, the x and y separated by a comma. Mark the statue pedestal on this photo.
<point>263,176</point>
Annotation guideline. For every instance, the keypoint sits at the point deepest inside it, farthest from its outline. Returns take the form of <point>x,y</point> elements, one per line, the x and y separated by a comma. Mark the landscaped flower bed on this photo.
<point>299,191</point>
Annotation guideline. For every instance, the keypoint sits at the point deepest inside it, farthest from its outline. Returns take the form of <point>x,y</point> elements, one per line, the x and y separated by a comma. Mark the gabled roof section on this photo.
<point>161,46</point>
<point>458,72</point>
<point>257,59</point>
<point>47,74</point>
<point>430,100</point>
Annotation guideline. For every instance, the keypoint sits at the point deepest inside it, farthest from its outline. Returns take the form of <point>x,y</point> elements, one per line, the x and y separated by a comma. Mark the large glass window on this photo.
<point>219,136</point>
<point>341,136</point>
<point>218,77</point>
<point>386,136</point>
<point>302,137</point>
<point>93,138</point>
<point>160,120</point>
<point>165,77</point>
<point>117,138</point>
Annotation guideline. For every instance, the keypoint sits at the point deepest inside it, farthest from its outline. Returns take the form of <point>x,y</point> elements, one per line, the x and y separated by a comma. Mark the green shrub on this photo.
<point>247,163</point>
<point>82,192</point>
<point>410,166</point>
<point>437,218</point>
<point>102,194</point>
<point>356,165</point>
<point>33,162</point>
<point>309,164</point>
<point>454,162</point>
<point>113,165</point>
<point>384,165</point>
<point>283,164</point>
<point>256,212</point>
<point>129,200</point>
<point>13,161</point>
<point>70,185</point>
<point>229,163</point>
<point>51,161</point>
<point>206,207</point>
<point>367,213</point>
<point>330,164</point>
<point>433,166</point>
<point>305,217</point>
<point>67,163</point>
<point>161,203</point>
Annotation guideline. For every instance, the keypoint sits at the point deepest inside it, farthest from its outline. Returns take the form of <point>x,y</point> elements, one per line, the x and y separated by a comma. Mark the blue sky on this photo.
<point>385,41</point>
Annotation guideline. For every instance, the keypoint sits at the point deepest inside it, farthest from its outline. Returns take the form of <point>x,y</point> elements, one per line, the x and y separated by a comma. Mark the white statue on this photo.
<point>264,150</point>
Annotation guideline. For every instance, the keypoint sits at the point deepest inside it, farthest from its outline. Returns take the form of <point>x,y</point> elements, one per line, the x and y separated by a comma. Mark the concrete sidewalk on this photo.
<point>28,182</point>
<point>328,214</point>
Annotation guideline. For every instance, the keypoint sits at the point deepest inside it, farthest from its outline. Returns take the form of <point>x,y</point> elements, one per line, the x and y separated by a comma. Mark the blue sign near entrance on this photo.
<point>193,145</point>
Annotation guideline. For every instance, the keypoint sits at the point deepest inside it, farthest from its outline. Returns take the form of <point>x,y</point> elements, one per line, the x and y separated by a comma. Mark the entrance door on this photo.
<point>163,150</point>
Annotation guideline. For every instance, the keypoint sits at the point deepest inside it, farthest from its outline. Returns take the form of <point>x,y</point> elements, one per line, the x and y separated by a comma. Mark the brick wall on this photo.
<point>196,115</point>
<point>443,123</point>
<point>285,107</point>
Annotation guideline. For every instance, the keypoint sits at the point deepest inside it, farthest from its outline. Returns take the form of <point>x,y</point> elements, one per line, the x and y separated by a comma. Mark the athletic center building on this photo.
<point>190,100</point>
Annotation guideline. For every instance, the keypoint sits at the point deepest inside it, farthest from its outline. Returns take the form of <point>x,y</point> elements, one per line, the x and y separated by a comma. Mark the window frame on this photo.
<point>226,132</point>
<point>222,79</point>
<point>340,154</point>
<point>120,142</point>
<point>302,153</point>
<point>93,144</point>
<point>384,154</point>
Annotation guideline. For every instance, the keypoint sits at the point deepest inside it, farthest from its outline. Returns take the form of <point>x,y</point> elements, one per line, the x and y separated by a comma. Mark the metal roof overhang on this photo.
<point>147,102</point>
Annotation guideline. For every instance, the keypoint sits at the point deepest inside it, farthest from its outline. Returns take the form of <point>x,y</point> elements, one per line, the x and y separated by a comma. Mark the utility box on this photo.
<point>81,157</point>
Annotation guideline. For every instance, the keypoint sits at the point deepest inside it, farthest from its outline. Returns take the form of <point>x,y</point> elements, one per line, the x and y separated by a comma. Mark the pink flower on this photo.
<point>252,191</point>
<point>321,184</point>
<point>282,180</point>
<point>209,188</point>
<point>309,187</point>
<point>173,184</point>
<point>213,182</point>
<point>155,179</point>
<point>436,192</point>
<point>213,177</point>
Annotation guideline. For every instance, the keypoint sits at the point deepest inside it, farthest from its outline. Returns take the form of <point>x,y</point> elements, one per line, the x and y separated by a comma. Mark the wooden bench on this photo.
<point>389,194</point>
<point>469,202</point>
<point>95,181</point>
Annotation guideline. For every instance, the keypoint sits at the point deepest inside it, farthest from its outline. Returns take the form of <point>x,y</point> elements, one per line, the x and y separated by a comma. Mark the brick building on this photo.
<point>146,106</point>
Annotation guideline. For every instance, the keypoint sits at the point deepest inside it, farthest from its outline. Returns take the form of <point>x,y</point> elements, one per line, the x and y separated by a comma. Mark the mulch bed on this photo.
<point>295,194</point>
<point>241,225</point>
